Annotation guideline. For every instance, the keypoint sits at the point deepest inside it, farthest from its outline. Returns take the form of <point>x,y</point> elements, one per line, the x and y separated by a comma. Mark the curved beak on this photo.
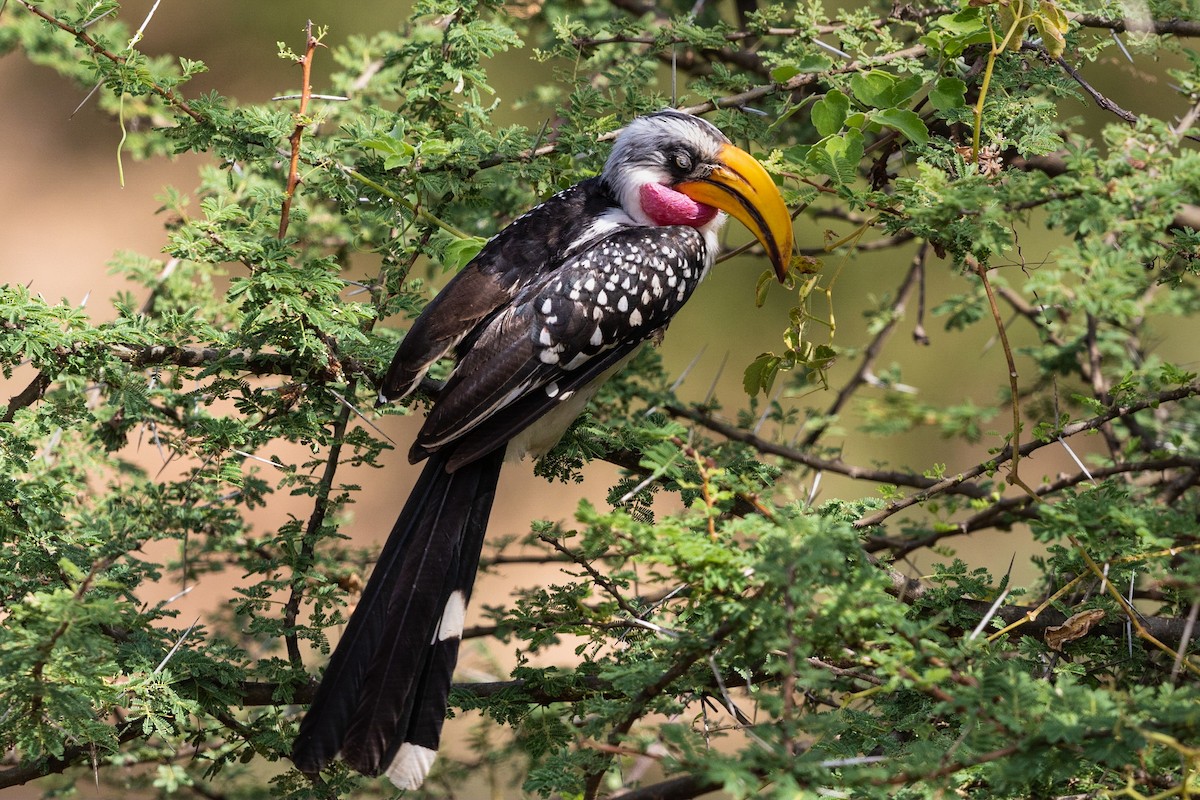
<point>740,186</point>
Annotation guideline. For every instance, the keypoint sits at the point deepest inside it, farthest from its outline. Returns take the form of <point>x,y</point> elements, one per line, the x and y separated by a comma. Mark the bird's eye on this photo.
<point>683,161</point>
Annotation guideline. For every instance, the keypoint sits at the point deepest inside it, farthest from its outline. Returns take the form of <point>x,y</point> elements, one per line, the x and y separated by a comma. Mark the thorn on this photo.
<point>87,97</point>
<point>335,97</point>
<point>361,416</point>
<point>1117,38</point>
<point>991,612</point>
<point>712,390</point>
<point>1075,458</point>
<point>274,464</point>
<point>812,494</point>
<point>175,649</point>
<point>833,49</point>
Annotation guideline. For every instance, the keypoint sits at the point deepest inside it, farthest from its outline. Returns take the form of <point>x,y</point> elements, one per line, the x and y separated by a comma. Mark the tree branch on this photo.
<point>1005,455</point>
<point>168,95</point>
<point>1162,27</point>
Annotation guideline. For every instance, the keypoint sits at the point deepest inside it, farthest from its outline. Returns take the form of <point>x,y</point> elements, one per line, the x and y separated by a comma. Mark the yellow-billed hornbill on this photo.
<point>548,309</point>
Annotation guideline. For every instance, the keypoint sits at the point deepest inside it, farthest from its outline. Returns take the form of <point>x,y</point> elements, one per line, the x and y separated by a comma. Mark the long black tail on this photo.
<point>381,703</point>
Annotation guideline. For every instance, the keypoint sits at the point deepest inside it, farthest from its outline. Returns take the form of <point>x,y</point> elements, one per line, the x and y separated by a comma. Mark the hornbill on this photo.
<point>549,309</point>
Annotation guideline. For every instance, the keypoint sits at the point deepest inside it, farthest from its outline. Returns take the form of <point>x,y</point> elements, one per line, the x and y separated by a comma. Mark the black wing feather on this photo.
<point>560,333</point>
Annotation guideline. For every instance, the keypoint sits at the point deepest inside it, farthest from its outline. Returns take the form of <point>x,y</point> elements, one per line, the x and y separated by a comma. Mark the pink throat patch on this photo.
<point>665,206</point>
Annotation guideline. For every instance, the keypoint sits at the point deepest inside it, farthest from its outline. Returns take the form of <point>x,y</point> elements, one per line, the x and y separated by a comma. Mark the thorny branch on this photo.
<point>169,95</point>
<point>957,484</point>
<point>875,347</point>
<point>302,122</point>
<point>312,531</point>
<point>1006,455</point>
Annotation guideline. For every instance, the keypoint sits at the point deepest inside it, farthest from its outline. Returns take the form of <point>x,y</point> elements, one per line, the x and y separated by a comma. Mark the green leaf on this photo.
<point>879,89</point>
<point>947,94</point>
<point>396,152</point>
<point>908,123</point>
<point>872,88</point>
<point>760,375</point>
<point>954,33</point>
<point>783,73</point>
<point>829,113</point>
<point>460,251</point>
<point>838,156</point>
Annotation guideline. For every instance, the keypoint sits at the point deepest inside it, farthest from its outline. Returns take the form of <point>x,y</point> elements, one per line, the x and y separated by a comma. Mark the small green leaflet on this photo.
<point>838,156</point>
<point>829,113</point>
<point>947,94</point>
<point>460,252</point>
<point>907,122</point>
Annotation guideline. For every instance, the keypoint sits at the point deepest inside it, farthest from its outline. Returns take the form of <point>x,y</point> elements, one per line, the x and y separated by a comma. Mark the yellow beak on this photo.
<point>740,186</point>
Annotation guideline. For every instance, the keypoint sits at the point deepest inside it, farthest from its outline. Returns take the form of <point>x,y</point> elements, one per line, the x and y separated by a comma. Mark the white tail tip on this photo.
<point>410,766</point>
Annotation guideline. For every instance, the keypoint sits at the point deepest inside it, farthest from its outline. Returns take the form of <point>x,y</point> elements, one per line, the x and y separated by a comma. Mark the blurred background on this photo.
<point>64,213</point>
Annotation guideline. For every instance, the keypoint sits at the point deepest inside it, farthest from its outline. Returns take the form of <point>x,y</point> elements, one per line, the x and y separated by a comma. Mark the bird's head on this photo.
<point>672,168</point>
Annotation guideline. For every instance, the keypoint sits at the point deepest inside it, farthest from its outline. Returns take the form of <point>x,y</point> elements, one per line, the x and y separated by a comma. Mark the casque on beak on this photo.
<point>740,186</point>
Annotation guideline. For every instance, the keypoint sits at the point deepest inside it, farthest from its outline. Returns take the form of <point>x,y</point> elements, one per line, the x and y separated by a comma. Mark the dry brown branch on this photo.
<point>302,121</point>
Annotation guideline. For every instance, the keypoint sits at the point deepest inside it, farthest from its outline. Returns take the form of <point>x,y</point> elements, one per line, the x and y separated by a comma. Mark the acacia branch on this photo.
<point>1008,508</point>
<point>1101,100</point>
<point>1006,454</point>
<point>312,532</point>
<point>169,95</point>
<point>684,660</point>
<point>736,100</point>
<point>859,378</point>
<point>836,466</point>
<point>1162,27</point>
<point>293,177</point>
<point>71,756</point>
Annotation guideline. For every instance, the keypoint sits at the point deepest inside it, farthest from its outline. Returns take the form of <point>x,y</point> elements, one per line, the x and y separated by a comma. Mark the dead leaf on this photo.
<point>1074,628</point>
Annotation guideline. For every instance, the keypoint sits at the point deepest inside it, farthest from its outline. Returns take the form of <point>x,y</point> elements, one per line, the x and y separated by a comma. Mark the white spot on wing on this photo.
<point>453,617</point>
<point>410,766</point>
<point>635,319</point>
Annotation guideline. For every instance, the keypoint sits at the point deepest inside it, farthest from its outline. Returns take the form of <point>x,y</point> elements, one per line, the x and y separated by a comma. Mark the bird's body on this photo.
<point>544,314</point>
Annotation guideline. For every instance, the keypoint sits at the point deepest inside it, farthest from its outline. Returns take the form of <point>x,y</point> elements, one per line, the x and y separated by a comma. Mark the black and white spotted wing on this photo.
<point>523,252</point>
<point>562,332</point>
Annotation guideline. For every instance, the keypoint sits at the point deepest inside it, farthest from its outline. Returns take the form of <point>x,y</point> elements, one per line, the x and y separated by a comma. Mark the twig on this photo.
<point>687,656</point>
<point>875,347</point>
<point>1014,476</point>
<point>1017,506</point>
<point>1101,100</point>
<point>302,121</point>
<point>27,396</point>
<point>71,756</point>
<point>837,466</point>
<point>599,578</point>
<point>312,531</point>
<point>1175,27</point>
<point>168,95</point>
<point>948,484</point>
